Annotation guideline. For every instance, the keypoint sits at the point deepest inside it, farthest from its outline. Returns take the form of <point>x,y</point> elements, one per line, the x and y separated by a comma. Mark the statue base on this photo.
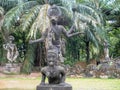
<point>11,68</point>
<point>54,87</point>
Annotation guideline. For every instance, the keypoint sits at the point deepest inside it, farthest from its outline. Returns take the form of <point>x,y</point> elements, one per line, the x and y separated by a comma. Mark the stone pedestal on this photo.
<point>11,68</point>
<point>54,87</point>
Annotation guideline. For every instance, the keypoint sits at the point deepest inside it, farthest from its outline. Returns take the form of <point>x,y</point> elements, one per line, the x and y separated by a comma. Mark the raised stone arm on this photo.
<point>70,33</point>
<point>36,41</point>
<point>43,79</point>
<point>63,75</point>
<point>44,35</point>
<point>72,29</point>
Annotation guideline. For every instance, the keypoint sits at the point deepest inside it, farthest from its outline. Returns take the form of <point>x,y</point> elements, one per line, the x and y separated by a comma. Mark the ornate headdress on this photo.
<point>54,11</point>
<point>11,38</point>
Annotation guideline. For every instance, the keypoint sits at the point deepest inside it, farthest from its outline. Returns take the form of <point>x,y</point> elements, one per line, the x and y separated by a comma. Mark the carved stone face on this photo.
<point>11,39</point>
<point>51,58</point>
<point>54,13</point>
<point>53,19</point>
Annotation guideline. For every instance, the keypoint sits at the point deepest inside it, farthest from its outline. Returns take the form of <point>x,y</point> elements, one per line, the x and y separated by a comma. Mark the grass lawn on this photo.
<point>24,83</point>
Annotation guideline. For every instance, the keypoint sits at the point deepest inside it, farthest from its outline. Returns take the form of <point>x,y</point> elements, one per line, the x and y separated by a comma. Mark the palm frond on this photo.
<point>79,18</point>
<point>94,50</point>
<point>57,2</point>
<point>41,22</point>
<point>27,65</point>
<point>1,11</point>
<point>12,15</point>
<point>64,3</point>
<point>91,37</point>
<point>8,4</point>
<point>66,16</point>
<point>1,17</point>
<point>85,10</point>
<point>29,17</point>
<point>115,6</point>
<point>69,4</point>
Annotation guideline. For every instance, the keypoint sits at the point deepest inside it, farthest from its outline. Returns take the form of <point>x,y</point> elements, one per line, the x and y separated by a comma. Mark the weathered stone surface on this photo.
<point>54,87</point>
<point>10,68</point>
<point>12,52</point>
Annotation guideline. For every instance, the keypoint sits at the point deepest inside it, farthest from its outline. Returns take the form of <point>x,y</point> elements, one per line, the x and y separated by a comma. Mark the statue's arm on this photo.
<point>43,77</point>
<point>63,75</point>
<point>5,46</point>
<point>70,32</point>
<point>72,29</point>
<point>16,53</point>
<point>44,35</point>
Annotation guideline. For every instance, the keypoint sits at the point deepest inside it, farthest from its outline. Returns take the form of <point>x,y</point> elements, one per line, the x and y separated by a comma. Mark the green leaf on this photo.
<point>15,13</point>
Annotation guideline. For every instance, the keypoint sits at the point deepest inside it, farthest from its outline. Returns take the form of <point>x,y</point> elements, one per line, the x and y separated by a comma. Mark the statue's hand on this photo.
<point>74,27</point>
<point>30,41</point>
<point>42,83</point>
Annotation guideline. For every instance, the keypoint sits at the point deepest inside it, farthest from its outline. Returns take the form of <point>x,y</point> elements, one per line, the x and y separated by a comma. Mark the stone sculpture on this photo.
<point>54,48</point>
<point>52,35</point>
<point>54,72</point>
<point>12,52</point>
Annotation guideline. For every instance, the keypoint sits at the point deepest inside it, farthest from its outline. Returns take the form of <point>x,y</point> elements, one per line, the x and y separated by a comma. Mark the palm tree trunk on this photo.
<point>40,55</point>
<point>87,52</point>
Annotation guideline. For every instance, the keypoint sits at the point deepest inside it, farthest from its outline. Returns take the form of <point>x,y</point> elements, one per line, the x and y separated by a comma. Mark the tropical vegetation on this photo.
<point>27,19</point>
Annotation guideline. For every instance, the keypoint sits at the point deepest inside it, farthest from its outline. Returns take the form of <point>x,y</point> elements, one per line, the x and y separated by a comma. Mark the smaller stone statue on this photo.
<point>54,72</point>
<point>106,50</point>
<point>12,52</point>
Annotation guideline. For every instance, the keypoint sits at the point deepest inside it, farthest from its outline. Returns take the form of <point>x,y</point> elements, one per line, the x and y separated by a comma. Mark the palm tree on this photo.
<point>113,21</point>
<point>29,17</point>
<point>1,34</point>
<point>1,16</point>
<point>91,20</point>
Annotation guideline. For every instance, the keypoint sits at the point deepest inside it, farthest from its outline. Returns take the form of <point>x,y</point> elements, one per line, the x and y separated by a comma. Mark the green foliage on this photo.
<point>115,42</point>
<point>2,59</point>
<point>28,60</point>
<point>8,4</point>
<point>15,13</point>
<point>27,19</point>
<point>75,50</point>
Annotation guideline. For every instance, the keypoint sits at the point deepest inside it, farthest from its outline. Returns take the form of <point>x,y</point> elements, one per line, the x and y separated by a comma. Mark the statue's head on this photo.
<point>52,57</point>
<point>54,13</point>
<point>11,38</point>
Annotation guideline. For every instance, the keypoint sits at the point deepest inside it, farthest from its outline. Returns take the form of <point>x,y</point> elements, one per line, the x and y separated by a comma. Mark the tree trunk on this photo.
<point>87,52</point>
<point>37,55</point>
<point>40,55</point>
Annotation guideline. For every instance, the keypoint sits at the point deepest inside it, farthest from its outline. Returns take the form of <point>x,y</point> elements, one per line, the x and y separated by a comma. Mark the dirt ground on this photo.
<point>10,81</point>
<point>29,82</point>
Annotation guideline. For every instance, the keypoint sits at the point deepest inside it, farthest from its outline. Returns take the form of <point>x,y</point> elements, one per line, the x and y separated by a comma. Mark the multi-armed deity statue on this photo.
<point>12,52</point>
<point>52,35</point>
<point>53,43</point>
